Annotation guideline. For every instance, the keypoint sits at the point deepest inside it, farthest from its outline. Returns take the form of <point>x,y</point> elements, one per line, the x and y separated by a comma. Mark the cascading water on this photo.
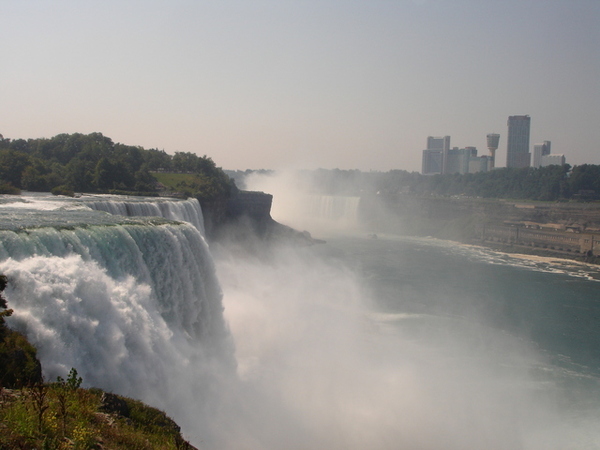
<point>133,303</point>
<point>351,344</point>
<point>185,210</point>
<point>336,208</point>
<point>318,213</point>
<point>296,204</point>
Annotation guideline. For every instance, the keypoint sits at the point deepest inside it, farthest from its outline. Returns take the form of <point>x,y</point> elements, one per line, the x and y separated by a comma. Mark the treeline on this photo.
<point>69,163</point>
<point>549,183</point>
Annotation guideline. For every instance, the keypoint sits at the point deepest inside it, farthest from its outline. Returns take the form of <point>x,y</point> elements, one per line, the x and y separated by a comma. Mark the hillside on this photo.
<point>62,415</point>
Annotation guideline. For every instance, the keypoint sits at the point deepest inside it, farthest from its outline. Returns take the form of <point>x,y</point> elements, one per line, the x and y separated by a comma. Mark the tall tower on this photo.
<point>435,157</point>
<point>492,144</point>
<point>517,146</point>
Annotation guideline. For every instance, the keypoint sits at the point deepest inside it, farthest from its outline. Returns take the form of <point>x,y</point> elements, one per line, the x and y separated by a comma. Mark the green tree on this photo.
<point>585,177</point>
<point>12,165</point>
<point>104,174</point>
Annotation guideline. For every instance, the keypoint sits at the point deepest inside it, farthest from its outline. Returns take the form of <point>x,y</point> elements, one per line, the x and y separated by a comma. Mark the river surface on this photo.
<point>496,308</point>
<point>422,343</point>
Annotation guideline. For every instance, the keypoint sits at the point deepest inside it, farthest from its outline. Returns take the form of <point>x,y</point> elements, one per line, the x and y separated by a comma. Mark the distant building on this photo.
<point>517,146</point>
<point>432,162</point>
<point>465,160</point>
<point>552,160</point>
<point>481,163</point>
<point>439,158</point>
<point>542,156</point>
<point>457,160</point>
<point>540,150</point>
<point>435,156</point>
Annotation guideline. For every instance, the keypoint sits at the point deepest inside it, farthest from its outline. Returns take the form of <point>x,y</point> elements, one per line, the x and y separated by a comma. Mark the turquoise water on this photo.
<point>519,321</point>
<point>552,304</point>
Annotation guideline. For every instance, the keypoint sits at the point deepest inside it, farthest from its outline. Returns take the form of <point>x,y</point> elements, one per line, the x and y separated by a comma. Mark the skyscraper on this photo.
<point>435,157</point>
<point>517,147</point>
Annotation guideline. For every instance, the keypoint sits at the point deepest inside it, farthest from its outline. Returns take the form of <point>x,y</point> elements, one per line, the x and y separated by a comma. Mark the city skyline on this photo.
<point>289,84</point>
<point>439,158</point>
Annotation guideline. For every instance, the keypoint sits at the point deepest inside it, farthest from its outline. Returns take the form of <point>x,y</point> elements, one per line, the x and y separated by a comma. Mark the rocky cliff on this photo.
<point>245,217</point>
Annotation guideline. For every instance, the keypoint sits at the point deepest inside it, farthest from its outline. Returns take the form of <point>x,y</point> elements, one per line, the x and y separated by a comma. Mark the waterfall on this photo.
<point>132,303</point>
<point>335,208</point>
<point>317,213</point>
<point>180,210</point>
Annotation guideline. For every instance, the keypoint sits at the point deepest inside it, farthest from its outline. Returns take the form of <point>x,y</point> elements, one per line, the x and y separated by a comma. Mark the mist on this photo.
<point>300,201</point>
<point>321,369</point>
<point>308,355</point>
<point>320,366</point>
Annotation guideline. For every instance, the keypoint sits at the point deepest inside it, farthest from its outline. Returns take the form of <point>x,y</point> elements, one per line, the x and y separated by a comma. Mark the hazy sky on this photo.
<point>305,83</point>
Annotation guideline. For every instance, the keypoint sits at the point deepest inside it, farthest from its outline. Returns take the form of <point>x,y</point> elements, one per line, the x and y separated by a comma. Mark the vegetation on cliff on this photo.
<point>61,415</point>
<point>207,185</point>
<point>69,163</point>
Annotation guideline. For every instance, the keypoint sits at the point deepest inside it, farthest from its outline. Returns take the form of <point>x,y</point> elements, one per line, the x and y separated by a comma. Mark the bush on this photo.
<point>7,188</point>
<point>19,365</point>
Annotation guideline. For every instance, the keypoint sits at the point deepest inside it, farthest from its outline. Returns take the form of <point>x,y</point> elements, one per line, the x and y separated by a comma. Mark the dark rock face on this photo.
<point>113,404</point>
<point>246,220</point>
<point>256,205</point>
<point>242,204</point>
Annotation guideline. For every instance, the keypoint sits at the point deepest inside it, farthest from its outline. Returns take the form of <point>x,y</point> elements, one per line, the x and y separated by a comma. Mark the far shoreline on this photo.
<point>528,252</point>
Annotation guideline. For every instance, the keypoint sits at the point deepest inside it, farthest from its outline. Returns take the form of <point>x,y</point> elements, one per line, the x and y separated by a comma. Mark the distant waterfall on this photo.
<point>317,213</point>
<point>336,208</point>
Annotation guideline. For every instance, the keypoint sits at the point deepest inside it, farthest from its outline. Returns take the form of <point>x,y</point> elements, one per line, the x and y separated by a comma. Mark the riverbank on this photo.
<point>536,251</point>
<point>569,230</point>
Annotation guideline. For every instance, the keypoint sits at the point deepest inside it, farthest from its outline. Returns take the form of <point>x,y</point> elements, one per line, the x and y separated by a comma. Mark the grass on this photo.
<point>175,181</point>
<point>50,416</point>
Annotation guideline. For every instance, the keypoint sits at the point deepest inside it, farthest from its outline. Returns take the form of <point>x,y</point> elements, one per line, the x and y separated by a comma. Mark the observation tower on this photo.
<point>492,144</point>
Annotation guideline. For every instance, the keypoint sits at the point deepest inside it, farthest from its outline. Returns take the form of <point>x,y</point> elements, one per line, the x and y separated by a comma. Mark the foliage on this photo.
<point>12,165</point>
<point>7,188</point>
<point>206,186</point>
<point>549,183</point>
<point>62,415</point>
<point>19,365</point>
<point>72,163</point>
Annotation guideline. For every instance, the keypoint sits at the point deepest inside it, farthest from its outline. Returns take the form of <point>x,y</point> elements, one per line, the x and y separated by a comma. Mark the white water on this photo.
<point>185,210</point>
<point>332,371</point>
<point>134,305</point>
<point>296,205</point>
